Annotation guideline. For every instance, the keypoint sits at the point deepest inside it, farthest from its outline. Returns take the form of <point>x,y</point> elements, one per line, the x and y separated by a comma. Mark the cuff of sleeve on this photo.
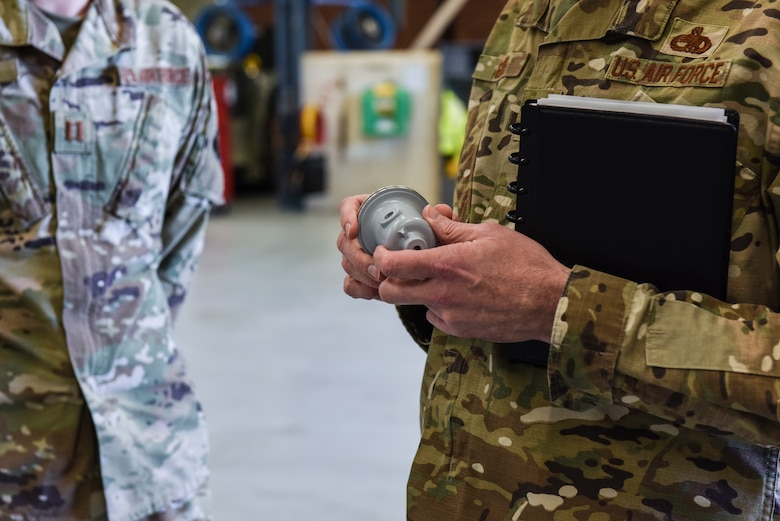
<point>587,334</point>
<point>416,324</point>
<point>207,180</point>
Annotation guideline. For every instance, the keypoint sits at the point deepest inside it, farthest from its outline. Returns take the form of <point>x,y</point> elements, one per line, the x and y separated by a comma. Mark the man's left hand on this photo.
<point>483,281</point>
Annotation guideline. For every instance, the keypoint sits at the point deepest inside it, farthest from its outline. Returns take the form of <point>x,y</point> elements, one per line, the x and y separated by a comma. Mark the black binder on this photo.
<point>647,197</point>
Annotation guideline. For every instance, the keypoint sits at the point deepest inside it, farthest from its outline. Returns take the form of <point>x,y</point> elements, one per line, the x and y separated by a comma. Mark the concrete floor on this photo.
<point>311,396</point>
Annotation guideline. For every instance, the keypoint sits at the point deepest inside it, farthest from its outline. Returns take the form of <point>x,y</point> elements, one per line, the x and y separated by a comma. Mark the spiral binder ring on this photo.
<point>519,130</point>
<point>516,159</point>
<point>516,189</point>
<point>512,217</point>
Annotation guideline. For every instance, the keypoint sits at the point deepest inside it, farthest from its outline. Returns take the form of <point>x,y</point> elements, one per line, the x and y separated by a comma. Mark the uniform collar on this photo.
<point>562,19</point>
<point>111,27</point>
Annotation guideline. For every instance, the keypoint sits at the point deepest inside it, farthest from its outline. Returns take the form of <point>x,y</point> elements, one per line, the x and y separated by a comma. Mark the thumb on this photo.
<point>447,230</point>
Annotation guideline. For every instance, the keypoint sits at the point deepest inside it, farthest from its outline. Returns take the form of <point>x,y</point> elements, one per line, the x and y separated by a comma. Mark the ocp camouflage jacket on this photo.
<point>654,406</point>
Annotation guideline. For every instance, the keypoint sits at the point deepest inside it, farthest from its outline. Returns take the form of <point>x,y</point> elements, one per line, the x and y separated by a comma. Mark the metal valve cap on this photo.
<point>392,217</point>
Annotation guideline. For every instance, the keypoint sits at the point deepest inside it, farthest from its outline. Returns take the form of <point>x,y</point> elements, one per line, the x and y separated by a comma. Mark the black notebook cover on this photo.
<point>644,197</point>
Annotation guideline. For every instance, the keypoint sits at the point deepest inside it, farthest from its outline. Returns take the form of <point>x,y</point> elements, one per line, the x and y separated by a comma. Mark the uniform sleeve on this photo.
<point>682,356</point>
<point>198,185</point>
<point>414,320</point>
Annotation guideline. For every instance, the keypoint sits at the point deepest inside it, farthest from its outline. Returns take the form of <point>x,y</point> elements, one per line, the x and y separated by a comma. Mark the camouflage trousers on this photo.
<point>493,448</point>
<point>85,499</point>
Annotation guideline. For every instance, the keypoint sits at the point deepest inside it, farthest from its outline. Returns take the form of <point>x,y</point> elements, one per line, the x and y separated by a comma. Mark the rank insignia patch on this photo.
<point>693,40</point>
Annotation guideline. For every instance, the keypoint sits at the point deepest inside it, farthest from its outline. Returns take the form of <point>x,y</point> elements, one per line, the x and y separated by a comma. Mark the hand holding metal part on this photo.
<point>392,217</point>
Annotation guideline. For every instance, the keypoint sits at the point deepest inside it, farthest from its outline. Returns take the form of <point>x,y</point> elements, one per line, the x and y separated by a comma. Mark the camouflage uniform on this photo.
<point>653,406</point>
<point>107,172</point>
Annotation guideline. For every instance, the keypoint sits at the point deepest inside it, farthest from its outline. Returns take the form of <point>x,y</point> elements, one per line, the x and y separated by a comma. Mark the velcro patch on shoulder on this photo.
<point>654,73</point>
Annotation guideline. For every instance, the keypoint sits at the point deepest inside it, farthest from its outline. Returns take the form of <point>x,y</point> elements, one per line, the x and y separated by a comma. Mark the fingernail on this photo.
<point>374,272</point>
<point>347,227</point>
<point>432,213</point>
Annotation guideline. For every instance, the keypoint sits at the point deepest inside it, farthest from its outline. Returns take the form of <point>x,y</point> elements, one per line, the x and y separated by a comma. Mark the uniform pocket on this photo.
<point>144,174</point>
<point>19,190</point>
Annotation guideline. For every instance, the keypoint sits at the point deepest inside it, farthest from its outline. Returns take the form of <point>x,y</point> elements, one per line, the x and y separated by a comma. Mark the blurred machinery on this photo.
<point>380,113</point>
<point>363,26</point>
<point>241,61</point>
<point>268,97</point>
<point>353,119</point>
<point>226,31</point>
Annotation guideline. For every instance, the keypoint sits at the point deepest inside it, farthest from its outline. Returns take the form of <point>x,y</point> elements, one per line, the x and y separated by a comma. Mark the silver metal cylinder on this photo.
<point>392,217</point>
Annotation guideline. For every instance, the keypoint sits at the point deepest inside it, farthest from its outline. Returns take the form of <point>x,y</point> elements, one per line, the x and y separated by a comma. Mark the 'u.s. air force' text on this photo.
<point>664,74</point>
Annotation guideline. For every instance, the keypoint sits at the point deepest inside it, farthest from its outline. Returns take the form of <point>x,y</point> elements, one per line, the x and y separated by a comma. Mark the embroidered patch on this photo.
<point>511,65</point>
<point>493,68</point>
<point>178,76</point>
<point>693,40</point>
<point>665,74</point>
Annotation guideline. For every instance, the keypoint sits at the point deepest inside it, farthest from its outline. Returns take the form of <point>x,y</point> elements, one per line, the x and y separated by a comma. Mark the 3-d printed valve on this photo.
<point>392,217</point>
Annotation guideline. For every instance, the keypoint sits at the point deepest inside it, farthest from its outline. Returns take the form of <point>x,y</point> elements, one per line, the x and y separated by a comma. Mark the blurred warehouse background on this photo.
<point>311,396</point>
<point>322,98</point>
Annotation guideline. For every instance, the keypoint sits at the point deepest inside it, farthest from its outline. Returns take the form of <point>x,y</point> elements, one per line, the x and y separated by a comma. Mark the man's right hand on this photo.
<point>362,280</point>
<point>363,277</point>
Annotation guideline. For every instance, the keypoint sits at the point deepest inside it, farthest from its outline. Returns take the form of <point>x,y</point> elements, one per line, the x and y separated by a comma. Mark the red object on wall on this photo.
<point>222,94</point>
